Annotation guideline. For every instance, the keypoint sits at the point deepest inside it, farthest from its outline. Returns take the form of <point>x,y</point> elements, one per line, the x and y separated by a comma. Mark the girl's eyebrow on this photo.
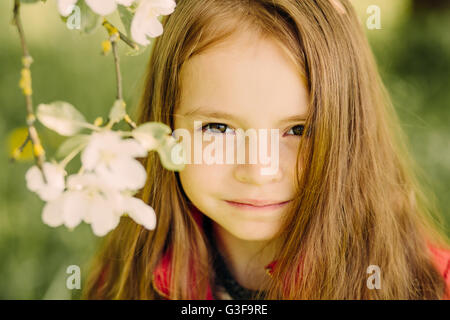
<point>199,112</point>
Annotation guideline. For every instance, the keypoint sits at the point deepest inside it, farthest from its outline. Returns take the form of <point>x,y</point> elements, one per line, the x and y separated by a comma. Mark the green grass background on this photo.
<point>412,50</point>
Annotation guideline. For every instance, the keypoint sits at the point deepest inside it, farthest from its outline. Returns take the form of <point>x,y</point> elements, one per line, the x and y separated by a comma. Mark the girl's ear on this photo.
<point>338,6</point>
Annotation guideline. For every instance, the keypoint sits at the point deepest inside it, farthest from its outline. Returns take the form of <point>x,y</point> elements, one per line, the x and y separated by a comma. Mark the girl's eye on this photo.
<point>215,127</point>
<point>297,130</point>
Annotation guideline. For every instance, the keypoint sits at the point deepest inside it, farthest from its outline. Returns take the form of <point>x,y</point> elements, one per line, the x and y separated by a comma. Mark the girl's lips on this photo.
<point>248,206</point>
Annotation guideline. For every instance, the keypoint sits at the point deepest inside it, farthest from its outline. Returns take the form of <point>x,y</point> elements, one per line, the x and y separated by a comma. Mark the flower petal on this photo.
<point>103,216</point>
<point>81,181</point>
<point>34,179</point>
<point>154,28</point>
<point>145,23</point>
<point>54,184</point>
<point>75,207</point>
<point>102,7</point>
<point>65,7</point>
<point>49,193</point>
<point>101,144</point>
<point>137,31</point>
<point>164,7</point>
<point>132,148</point>
<point>146,140</point>
<point>125,3</point>
<point>54,175</point>
<point>91,154</point>
<point>140,212</point>
<point>123,173</point>
<point>52,214</point>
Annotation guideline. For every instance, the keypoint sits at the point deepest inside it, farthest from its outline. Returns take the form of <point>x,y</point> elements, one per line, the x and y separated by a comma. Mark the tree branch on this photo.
<point>114,37</point>
<point>25,84</point>
<point>117,68</point>
<point>108,25</point>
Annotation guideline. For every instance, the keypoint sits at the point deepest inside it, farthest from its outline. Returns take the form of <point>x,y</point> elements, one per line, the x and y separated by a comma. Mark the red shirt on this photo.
<point>441,259</point>
<point>161,274</point>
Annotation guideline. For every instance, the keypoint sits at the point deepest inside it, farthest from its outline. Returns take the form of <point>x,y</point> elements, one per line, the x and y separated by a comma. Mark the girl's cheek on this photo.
<point>203,176</point>
<point>288,151</point>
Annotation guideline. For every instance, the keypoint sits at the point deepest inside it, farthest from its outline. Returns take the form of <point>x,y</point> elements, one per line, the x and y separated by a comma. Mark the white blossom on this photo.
<point>101,7</point>
<point>139,211</point>
<point>49,188</point>
<point>105,7</point>
<point>55,214</point>
<point>112,159</point>
<point>65,7</point>
<point>102,193</point>
<point>145,22</point>
<point>93,201</point>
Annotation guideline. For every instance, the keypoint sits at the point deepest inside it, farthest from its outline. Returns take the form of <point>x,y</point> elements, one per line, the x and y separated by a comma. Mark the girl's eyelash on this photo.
<point>298,132</point>
<point>214,123</point>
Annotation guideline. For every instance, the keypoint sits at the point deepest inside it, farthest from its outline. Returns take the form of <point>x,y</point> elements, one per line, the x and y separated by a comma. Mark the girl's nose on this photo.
<point>265,166</point>
<point>254,174</point>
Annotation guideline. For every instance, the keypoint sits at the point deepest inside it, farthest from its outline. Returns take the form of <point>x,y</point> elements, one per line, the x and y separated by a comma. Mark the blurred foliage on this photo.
<point>67,66</point>
<point>412,50</point>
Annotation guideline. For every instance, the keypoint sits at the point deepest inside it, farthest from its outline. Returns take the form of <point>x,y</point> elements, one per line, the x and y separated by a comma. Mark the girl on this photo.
<point>343,216</point>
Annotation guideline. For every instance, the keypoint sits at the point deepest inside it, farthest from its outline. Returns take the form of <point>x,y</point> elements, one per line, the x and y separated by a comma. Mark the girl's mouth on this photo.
<point>256,204</point>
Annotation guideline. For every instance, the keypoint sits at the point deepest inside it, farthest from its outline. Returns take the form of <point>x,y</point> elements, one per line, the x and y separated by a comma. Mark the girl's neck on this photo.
<point>245,259</point>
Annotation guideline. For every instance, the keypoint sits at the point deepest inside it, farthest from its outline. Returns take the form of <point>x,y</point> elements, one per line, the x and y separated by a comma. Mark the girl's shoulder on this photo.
<point>440,257</point>
<point>441,260</point>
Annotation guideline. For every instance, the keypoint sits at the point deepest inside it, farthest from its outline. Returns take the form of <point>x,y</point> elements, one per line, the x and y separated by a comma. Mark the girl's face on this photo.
<point>249,83</point>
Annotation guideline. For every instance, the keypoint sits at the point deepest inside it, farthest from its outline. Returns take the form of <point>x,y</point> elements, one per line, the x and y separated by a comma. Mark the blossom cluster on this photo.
<point>104,188</point>
<point>110,174</point>
<point>145,21</point>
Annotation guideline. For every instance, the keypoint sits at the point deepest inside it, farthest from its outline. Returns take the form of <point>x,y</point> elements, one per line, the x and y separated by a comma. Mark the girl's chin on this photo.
<point>251,231</point>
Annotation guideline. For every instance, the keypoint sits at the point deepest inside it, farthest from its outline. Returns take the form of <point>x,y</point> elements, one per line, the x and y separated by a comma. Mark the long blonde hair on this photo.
<point>359,201</point>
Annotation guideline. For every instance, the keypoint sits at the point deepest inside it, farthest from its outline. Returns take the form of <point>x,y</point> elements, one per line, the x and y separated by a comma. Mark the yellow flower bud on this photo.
<point>106,47</point>
<point>38,150</point>
<point>25,82</point>
<point>98,122</point>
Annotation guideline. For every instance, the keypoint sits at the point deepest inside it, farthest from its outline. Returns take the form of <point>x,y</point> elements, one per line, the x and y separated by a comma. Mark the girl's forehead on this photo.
<point>235,77</point>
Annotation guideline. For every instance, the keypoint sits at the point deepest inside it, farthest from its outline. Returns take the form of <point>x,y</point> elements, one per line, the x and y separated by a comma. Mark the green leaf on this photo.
<point>61,117</point>
<point>166,152</point>
<point>117,112</point>
<point>16,138</point>
<point>64,19</point>
<point>126,16</point>
<point>157,136</point>
<point>71,144</point>
<point>89,19</point>
<point>151,134</point>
